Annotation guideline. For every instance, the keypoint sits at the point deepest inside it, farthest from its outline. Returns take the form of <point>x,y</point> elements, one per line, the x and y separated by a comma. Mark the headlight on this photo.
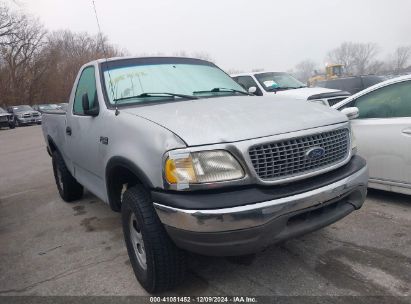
<point>353,142</point>
<point>202,167</point>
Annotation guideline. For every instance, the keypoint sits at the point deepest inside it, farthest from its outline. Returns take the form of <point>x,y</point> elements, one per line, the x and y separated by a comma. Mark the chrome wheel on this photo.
<point>136,239</point>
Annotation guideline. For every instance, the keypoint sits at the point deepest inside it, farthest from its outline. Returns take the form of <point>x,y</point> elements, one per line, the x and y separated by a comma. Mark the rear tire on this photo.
<point>147,241</point>
<point>68,187</point>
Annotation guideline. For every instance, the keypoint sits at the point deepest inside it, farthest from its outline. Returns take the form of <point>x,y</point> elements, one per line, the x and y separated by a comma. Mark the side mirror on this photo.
<point>351,112</point>
<point>86,106</point>
<point>252,90</point>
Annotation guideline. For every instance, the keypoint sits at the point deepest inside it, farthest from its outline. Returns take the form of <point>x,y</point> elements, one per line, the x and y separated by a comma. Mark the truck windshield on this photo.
<point>277,81</point>
<point>165,79</point>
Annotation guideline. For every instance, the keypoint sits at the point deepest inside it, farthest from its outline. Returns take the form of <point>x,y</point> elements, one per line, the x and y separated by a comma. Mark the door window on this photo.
<point>247,82</point>
<point>86,84</point>
<point>390,101</point>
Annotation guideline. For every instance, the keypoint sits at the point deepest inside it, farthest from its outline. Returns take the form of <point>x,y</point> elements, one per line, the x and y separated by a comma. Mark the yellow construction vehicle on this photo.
<point>332,71</point>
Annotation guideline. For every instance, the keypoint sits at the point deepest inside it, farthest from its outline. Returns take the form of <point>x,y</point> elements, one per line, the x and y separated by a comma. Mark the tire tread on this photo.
<point>72,190</point>
<point>169,261</point>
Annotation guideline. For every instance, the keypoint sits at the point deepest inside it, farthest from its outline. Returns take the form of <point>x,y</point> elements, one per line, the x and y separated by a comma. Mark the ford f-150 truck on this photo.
<point>194,163</point>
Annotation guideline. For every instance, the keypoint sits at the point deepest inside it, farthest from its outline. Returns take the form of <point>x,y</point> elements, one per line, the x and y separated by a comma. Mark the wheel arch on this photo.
<point>120,171</point>
<point>51,146</point>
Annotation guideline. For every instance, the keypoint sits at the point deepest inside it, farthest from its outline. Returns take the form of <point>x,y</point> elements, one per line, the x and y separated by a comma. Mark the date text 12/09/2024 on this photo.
<point>204,299</point>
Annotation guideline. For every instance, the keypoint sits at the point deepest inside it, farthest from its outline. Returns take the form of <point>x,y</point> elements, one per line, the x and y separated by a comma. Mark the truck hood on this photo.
<point>236,118</point>
<point>306,93</point>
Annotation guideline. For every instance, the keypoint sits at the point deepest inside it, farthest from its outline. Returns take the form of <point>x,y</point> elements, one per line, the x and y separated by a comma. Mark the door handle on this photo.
<point>407,131</point>
<point>68,131</point>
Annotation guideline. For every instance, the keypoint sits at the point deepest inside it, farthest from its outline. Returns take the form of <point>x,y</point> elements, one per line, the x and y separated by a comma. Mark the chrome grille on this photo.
<point>289,158</point>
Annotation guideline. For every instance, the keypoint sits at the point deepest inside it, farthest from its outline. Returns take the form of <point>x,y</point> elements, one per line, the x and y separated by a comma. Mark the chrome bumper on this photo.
<point>29,120</point>
<point>354,188</point>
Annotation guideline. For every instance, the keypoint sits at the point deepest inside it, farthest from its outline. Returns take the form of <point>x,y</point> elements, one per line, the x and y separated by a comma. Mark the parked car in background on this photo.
<point>193,162</point>
<point>63,106</point>
<point>283,84</point>
<point>24,115</point>
<point>46,107</point>
<point>353,84</point>
<point>383,132</point>
<point>6,119</point>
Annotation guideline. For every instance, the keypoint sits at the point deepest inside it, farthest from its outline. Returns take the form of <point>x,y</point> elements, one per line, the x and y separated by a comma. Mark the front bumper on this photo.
<point>4,123</point>
<point>249,228</point>
<point>29,121</point>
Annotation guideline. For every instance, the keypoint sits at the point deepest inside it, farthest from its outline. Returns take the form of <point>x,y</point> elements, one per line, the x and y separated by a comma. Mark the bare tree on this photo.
<point>66,52</point>
<point>232,71</point>
<point>400,58</point>
<point>344,54</point>
<point>365,57</point>
<point>304,70</point>
<point>357,58</point>
<point>39,68</point>
<point>7,22</point>
<point>181,54</point>
<point>19,52</point>
<point>203,55</point>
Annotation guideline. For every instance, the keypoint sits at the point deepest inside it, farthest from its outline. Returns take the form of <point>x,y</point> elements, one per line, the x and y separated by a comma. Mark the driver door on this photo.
<point>83,135</point>
<point>247,82</point>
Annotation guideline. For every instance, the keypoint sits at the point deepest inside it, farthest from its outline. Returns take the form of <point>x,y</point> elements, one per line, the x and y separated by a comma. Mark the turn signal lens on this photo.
<point>180,170</point>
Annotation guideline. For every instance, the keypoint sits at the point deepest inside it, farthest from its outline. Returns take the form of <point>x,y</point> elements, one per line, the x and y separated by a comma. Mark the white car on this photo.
<point>383,132</point>
<point>280,83</point>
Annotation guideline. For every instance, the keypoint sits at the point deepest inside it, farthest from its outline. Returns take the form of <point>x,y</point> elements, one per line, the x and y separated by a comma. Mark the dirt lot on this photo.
<point>48,247</point>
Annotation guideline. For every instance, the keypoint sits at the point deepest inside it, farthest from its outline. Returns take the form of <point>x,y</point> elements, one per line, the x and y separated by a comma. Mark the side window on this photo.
<point>247,82</point>
<point>390,101</point>
<point>86,84</point>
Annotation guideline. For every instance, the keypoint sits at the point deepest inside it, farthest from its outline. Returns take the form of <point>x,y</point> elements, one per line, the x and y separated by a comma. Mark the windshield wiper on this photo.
<point>162,94</point>
<point>222,90</point>
<point>286,88</point>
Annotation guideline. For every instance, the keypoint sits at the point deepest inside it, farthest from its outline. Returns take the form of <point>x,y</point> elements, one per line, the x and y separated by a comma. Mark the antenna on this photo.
<point>105,57</point>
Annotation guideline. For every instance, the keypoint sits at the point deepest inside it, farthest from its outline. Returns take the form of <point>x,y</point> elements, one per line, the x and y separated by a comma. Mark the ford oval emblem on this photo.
<point>315,153</point>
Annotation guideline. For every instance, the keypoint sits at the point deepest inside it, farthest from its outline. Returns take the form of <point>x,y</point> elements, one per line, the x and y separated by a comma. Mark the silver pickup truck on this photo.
<point>194,163</point>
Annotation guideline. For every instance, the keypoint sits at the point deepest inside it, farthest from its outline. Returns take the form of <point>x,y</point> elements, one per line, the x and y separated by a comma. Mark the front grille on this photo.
<point>35,114</point>
<point>26,115</point>
<point>334,101</point>
<point>288,158</point>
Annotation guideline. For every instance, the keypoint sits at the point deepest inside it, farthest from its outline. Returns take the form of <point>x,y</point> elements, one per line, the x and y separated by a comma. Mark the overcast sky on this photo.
<point>237,34</point>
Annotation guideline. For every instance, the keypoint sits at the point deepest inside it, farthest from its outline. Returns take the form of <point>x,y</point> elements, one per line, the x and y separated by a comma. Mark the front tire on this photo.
<point>157,263</point>
<point>68,187</point>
